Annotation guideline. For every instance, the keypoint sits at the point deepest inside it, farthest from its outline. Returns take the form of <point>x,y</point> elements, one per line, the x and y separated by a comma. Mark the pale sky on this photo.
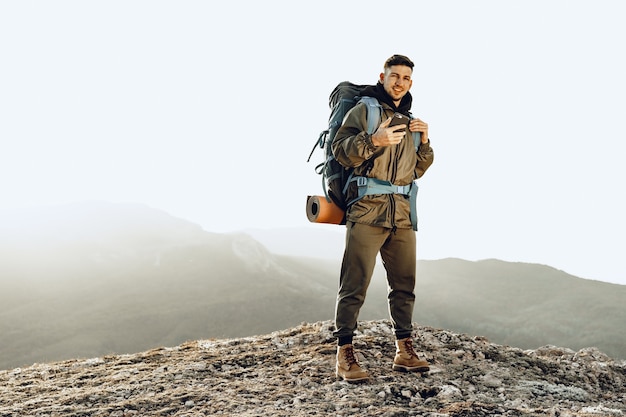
<point>208,111</point>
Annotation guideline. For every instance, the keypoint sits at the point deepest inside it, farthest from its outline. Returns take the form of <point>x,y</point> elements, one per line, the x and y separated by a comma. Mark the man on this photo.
<point>381,222</point>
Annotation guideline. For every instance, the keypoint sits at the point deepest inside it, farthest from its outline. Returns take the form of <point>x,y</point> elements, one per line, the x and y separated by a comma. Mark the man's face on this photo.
<point>397,81</point>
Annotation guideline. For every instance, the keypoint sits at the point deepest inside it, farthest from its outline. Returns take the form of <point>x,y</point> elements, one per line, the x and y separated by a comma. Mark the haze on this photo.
<point>208,111</point>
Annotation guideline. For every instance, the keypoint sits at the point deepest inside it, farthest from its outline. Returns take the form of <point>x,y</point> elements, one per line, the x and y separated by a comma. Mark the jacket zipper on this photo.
<point>392,200</point>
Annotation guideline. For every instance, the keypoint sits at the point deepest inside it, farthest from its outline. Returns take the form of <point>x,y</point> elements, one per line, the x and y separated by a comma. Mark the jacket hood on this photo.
<point>378,92</point>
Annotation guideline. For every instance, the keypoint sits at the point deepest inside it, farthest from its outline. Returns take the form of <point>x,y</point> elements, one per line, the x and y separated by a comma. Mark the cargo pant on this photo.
<point>398,252</point>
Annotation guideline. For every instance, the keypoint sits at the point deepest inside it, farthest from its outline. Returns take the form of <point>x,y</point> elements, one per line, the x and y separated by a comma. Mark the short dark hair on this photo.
<point>398,60</point>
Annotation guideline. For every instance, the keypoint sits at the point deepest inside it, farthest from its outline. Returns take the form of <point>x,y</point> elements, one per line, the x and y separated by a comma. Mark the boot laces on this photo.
<point>349,355</point>
<point>408,344</point>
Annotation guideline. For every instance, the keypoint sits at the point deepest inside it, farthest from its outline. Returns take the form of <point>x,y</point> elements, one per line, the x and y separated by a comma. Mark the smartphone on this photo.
<point>399,119</point>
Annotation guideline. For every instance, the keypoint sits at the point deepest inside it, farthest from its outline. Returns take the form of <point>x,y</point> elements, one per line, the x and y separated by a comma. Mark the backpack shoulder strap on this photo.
<point>417,136</point>
<point>417,139</point>
<point>374,113</point>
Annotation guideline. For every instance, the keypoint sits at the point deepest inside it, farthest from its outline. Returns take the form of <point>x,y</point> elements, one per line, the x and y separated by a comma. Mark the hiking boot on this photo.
<point>347,366</point>
<point>406,359</point>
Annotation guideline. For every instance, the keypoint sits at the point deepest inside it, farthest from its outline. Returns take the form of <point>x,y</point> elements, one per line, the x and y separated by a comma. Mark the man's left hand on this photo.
<point>417,125</point>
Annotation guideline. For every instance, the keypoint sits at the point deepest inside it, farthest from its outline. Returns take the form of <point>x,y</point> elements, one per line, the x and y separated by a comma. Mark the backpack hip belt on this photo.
<point>369,186</point>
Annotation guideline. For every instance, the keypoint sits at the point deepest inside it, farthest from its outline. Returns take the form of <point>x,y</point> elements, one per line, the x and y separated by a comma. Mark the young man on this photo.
<point>381,222</point>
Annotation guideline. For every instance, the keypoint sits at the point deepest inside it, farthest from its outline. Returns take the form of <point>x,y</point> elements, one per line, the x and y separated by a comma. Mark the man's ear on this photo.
<point>382,77</point>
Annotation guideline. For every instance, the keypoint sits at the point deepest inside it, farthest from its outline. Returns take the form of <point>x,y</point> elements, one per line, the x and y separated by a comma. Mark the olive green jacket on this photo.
<point>400,164</point>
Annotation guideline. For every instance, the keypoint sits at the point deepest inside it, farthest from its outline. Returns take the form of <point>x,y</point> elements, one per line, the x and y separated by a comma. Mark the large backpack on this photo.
<point>335,177</point>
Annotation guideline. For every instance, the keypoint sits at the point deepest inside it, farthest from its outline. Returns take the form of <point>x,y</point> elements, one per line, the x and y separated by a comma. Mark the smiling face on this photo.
<point>397,81</point>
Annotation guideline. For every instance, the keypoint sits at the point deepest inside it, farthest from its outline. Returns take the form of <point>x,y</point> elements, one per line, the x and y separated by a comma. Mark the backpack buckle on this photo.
<point>361,181</point>
<point>403,189</point>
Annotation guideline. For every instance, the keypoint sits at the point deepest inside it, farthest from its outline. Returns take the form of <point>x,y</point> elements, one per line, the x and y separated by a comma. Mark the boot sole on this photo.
<point>403,368</point>
<point>365,378</point>
<point>355,380</point>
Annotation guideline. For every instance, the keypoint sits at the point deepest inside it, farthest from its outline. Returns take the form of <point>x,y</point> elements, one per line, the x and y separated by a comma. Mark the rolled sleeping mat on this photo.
<point>319,210</point>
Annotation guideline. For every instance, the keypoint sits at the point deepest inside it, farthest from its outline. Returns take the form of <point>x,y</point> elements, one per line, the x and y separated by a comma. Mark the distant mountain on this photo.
<point>94,279</point>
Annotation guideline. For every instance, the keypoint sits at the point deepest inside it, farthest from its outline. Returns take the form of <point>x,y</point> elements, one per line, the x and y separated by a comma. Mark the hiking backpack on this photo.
<point>335,177</point>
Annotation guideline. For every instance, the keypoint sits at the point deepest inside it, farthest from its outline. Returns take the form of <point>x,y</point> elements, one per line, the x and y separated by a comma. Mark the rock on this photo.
<point>291,373</point>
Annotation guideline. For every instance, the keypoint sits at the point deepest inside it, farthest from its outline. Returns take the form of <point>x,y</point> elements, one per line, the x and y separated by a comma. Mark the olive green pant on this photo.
<point>398,252</point>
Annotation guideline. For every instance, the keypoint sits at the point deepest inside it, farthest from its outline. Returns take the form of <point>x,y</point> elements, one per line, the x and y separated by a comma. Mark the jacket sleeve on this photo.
<point>352,145</point>
<point>425,158</point>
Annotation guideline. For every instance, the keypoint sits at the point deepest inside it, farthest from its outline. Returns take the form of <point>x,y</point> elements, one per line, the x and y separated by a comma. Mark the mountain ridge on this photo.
<point>290,372</point>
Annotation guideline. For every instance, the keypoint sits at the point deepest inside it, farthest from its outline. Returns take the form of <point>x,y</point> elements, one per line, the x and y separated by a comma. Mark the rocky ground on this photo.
<point>291,373</point>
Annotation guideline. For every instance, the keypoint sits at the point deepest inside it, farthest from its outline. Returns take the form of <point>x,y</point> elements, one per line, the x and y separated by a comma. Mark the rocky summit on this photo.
<point>291,373</point>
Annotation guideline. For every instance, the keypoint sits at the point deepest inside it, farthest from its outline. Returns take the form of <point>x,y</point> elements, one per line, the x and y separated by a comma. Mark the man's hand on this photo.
<point>416,125</point>
<point>386,136</point>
